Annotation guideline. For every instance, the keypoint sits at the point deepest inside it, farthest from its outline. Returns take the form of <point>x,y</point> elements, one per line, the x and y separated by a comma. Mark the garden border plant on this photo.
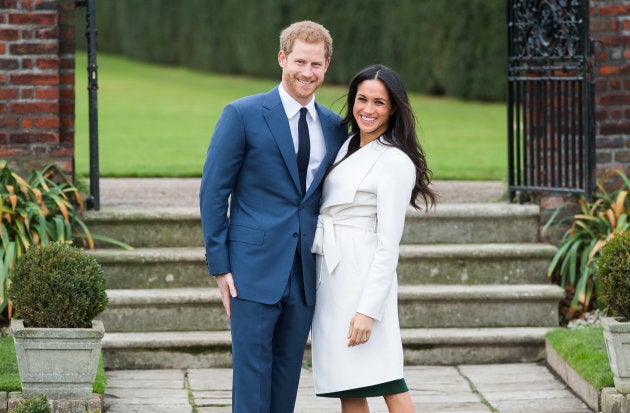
<point>42,208</point>
<point>36,404</point>
<point>597,221</point>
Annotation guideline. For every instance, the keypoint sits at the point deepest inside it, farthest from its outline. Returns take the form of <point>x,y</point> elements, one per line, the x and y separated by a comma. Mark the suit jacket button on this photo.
<point>295,235</point>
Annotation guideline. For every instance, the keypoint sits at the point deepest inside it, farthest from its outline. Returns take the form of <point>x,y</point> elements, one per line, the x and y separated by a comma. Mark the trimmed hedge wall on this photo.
<point>454,47</point>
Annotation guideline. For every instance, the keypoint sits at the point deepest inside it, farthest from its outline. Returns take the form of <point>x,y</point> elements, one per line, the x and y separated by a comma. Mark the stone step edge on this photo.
<point>138,214</point>
<point>425,292</point>
<point>489,250</point>
<point>422,336</point>
<point>407,251</point>
<point>472,210</point>
<point>476,211</point>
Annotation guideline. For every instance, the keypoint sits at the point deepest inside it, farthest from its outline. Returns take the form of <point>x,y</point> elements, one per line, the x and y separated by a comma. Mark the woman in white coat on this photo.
<point>379,171</point>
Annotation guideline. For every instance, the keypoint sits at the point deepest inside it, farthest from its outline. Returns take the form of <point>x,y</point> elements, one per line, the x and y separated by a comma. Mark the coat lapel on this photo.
<point>348,175</point>
<point>278,124</point>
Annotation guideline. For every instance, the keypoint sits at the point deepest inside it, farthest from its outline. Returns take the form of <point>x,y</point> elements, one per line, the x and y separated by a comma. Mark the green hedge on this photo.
<point>455,47</point>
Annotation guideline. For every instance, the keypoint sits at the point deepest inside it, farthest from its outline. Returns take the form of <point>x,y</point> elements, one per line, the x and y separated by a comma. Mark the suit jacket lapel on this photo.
<point>278,124</point>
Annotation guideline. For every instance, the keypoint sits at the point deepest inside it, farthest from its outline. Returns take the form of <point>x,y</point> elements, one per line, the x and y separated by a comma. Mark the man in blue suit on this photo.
<point>259,250</point>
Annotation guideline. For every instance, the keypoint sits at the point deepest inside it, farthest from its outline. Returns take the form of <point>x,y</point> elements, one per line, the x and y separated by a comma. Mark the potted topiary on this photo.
<point>57,290</point>
<point>613,277</point>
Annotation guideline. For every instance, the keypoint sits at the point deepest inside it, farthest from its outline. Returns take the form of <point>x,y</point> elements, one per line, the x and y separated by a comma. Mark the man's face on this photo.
<point>303,69</point>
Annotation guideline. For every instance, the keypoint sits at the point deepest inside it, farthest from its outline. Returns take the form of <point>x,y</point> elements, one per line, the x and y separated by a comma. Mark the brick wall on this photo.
<point>610,24</point>
<point>610,27</point>
<point>37,83</point>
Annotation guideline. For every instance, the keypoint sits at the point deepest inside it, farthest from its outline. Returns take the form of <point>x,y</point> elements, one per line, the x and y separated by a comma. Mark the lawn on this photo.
<point>157,121</point>
<point>584,349</point>
<point>9,375</point>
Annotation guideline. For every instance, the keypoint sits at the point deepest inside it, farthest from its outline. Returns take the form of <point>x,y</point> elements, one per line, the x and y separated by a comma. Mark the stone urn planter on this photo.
<point>617,336</point>
<point>613,275</point>
<point>58,362</point>
<point>57,290</point>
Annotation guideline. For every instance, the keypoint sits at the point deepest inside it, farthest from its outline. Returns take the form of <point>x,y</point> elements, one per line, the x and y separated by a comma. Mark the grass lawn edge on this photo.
<point>585,390</point>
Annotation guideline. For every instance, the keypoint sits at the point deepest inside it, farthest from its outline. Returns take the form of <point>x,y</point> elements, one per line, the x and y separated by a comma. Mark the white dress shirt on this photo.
<point>318,146</point>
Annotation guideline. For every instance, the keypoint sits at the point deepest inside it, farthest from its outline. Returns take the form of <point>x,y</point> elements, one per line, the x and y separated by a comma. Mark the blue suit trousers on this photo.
<point>268,342</point>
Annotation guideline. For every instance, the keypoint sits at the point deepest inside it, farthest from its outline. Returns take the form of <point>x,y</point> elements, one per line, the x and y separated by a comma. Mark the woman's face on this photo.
<point>372,109</point>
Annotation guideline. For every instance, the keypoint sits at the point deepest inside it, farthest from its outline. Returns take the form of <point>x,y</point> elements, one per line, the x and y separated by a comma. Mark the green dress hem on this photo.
<point>382,389</point>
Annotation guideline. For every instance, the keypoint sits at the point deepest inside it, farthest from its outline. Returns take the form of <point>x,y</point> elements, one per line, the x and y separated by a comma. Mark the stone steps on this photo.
<point>425,306</point>
<point>446,224</point>
<point>469,223</point>
<point>516,263</point>
<point>504,263</point>
<point>157,227</point>
<point>473,288</point>
<point>422,346</point>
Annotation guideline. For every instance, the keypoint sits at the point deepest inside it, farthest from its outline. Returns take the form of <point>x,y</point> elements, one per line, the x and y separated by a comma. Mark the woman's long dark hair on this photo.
<point>401,131</point>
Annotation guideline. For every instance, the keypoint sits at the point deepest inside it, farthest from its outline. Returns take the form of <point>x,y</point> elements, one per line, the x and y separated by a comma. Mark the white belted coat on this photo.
<point>361,221</point>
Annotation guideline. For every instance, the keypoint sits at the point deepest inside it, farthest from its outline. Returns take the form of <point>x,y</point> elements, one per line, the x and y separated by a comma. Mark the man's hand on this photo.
<point>227,289</point>
<point>360,329</point>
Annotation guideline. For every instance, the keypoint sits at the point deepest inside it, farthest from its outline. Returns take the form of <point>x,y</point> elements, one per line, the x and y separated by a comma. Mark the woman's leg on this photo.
<point>399,403</point>
<point>354,405</point>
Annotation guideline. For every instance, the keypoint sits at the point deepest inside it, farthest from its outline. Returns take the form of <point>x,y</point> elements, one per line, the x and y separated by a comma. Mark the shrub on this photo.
<point>597,222</point>
<point>37,404</point>
<point>613,275</point>
<point>41,208</point>
<point>57,285</point>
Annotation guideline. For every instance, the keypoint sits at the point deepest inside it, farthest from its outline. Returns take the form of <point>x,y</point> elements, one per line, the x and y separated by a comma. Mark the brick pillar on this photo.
<point>610,24</point>
<point>37,83</point>
<point>610,27</point>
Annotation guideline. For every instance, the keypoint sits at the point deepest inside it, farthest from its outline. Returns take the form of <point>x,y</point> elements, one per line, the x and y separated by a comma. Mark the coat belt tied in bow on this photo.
<point>325,243</point>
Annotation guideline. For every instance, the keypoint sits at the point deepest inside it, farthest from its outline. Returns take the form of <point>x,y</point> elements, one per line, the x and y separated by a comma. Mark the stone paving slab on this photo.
<point>518,388</point>
<point>492,388</point>
<point>184,192</point>
<point>144,391</point>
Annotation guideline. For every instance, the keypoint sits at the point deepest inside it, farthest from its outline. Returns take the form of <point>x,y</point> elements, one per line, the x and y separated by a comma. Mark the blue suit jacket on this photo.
<point>251,159</point>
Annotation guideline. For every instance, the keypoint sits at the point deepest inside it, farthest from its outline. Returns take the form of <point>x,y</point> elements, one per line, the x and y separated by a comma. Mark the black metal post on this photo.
<point>93,201</point>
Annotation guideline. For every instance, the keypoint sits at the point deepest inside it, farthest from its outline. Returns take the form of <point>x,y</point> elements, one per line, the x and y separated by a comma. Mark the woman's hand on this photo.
<point>360,329</point>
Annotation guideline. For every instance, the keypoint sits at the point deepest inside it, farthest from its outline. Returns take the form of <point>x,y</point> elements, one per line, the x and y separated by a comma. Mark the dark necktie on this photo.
<point>304,148</point>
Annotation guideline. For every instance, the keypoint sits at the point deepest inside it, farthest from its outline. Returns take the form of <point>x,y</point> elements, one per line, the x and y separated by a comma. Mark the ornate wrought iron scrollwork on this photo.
<point>550,97</point>
<point>546,28</point>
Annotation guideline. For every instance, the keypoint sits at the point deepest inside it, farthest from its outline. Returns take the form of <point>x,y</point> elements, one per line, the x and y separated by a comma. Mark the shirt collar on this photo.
<point>292,107</point>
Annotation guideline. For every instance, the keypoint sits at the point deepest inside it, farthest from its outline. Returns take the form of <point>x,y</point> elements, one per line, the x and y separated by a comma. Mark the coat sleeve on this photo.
<point>393,193</point>
<point>225,156</point>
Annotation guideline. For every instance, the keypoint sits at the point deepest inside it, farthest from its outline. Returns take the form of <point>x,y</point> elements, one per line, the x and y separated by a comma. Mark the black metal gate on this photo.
<point>550,97</point>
